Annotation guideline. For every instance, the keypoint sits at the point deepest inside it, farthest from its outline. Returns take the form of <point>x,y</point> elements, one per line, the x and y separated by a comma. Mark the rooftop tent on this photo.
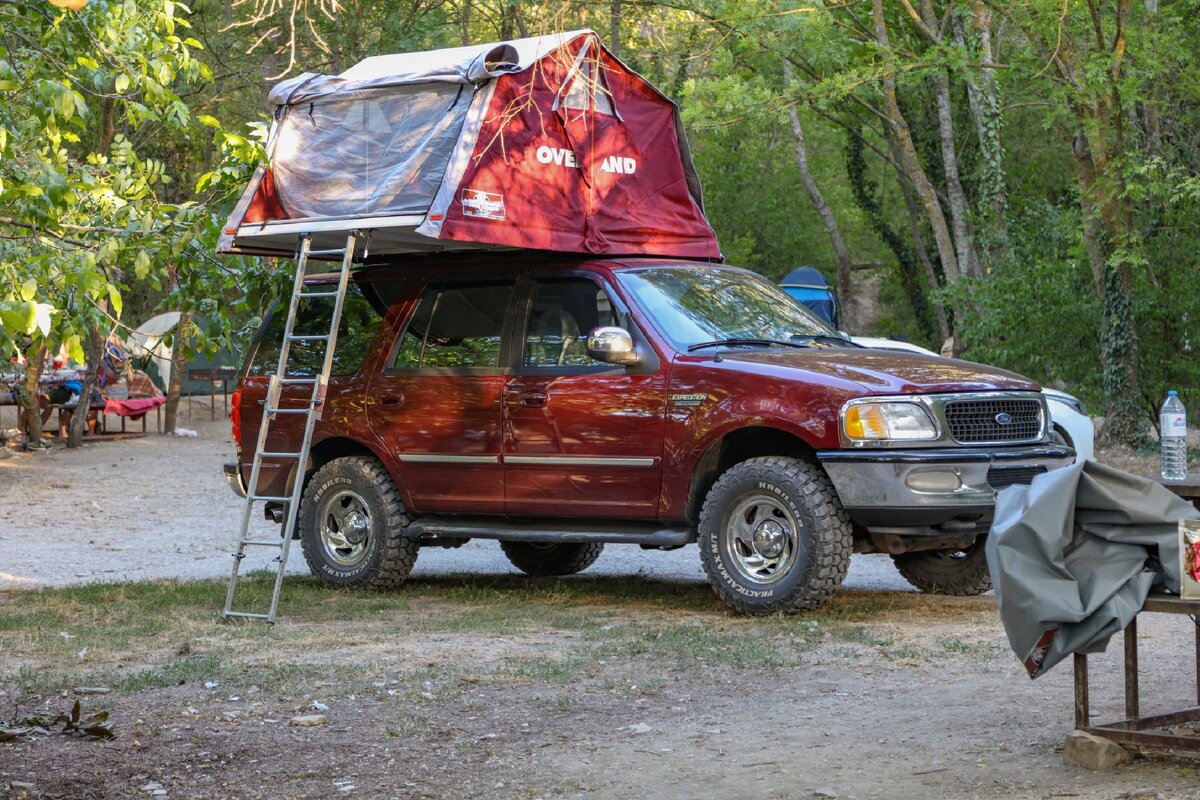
<point>811,289</point>
<point>547,143</point>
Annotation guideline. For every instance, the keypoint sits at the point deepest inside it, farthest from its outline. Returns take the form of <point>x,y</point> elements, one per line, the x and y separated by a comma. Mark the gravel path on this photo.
<point>159,507</point>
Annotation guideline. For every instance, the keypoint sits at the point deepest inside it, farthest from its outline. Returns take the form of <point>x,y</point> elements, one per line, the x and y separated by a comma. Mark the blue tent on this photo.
<point>810,288</point>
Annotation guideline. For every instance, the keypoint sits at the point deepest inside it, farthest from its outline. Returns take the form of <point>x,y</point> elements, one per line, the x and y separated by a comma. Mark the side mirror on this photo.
<point>612,346</point>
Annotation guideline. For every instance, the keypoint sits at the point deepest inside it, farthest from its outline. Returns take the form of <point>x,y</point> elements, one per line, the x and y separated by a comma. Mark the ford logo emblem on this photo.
<point>1004,418</point>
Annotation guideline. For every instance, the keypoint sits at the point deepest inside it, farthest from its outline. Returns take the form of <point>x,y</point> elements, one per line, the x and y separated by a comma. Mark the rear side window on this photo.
<point>361,317</point>
<point>455,326</point>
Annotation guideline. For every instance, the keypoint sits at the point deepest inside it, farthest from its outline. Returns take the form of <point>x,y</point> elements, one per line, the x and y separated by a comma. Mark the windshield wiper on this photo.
<point>734,342</point>
<point>822,337</point>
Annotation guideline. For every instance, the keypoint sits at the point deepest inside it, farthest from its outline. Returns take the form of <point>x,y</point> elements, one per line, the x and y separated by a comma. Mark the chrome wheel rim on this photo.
<point>762,539</point>
<point>345,527</point>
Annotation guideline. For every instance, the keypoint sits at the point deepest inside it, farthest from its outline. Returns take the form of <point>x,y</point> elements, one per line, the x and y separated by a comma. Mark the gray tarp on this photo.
<point>1074,555</point>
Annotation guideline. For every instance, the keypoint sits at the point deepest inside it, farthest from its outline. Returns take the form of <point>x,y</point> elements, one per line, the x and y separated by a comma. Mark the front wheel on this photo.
<point>352,526</point>
<point>956,572</point>
<point>543,559</point>
<point>774,537</point>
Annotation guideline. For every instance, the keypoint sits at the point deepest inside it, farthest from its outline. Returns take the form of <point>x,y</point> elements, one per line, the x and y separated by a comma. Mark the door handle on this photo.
<point>391,400</point>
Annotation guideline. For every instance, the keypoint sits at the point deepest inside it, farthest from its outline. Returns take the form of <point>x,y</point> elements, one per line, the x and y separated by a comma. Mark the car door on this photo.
<point>436,405</point>
<point>580,437</point>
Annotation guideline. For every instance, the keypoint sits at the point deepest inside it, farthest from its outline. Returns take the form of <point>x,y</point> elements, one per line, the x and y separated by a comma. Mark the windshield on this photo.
<point>695,305</point>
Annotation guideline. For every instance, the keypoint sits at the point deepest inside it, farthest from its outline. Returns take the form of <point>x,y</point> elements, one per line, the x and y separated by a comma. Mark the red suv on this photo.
<point>560,405</point>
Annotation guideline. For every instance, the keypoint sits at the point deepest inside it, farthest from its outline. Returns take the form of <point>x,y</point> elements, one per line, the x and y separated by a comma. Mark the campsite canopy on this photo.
<point>811,288</point>
<point>548,143</point>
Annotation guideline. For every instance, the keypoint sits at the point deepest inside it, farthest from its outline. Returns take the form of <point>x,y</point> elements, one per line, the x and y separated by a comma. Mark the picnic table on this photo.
<point>122,407</point>
<point>1135,729</point>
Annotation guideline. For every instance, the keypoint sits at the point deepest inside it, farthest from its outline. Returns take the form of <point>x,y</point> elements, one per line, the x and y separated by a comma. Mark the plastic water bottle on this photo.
<point>1172,426</point>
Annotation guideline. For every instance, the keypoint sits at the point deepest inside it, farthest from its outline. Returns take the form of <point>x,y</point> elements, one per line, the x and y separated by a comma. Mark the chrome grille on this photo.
<point>999,477</point>
<point>994,419</point>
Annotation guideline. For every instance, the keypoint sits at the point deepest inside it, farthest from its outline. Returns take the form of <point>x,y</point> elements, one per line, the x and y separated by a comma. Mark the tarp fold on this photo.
<point>1074,554</point>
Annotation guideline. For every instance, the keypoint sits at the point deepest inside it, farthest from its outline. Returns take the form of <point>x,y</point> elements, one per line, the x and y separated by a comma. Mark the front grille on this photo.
<point>999,477</point>
<point>977,421</point>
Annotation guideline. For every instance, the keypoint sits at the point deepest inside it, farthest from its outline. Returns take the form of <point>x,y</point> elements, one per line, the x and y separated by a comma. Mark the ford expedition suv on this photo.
<point>561,405</point>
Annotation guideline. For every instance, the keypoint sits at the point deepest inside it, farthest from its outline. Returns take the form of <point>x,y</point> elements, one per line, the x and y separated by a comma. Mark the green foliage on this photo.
<point>83,204</point>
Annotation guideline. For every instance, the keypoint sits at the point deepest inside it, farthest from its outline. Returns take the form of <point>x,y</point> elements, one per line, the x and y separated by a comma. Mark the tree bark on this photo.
<point>94,354</point>
<point>909,159</point>
<point>614,32</point>
<point>845,290</point>
<point>963,245</point>
<point>968,261</point>
<point>35,358</point>
<point>178,369</point>
<point>984,100</point>
<point>1093,229</point>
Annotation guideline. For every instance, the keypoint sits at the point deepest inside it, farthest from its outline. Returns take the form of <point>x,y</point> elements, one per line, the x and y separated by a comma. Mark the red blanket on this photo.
<point>134,407</point>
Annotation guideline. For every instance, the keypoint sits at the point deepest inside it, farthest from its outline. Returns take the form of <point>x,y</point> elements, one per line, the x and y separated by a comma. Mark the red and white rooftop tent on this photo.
<point>548,143</point>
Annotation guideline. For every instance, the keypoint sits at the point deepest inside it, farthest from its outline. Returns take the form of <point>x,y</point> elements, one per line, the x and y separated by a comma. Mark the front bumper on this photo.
<point>886,491</point>
<point>233,476</point>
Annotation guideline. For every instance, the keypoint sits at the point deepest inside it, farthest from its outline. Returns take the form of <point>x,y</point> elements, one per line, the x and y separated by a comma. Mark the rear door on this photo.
<point>436,403</point>
<point>580,437</point>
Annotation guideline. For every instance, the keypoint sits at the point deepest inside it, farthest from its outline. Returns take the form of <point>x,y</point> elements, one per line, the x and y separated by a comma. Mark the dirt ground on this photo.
<point>922,700</point>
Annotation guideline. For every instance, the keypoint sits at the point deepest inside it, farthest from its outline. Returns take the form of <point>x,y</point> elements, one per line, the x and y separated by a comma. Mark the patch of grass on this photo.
<point>860,634</point>
<point>982,651</point>
<point>741,647</point>
<point>134,636</point>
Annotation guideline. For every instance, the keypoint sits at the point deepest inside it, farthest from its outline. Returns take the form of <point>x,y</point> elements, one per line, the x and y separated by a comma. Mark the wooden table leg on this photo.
<point>1131,671</point>
<point>1081,690</point>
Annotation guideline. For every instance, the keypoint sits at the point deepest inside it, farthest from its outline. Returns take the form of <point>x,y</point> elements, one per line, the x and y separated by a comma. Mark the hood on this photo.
<point>880,371</point>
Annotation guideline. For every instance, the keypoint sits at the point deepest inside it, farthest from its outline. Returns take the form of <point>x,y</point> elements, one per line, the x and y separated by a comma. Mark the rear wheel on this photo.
<point>956,572</point>
<point>774,537</point>
<point>542,559</point>
<point>353,526</point>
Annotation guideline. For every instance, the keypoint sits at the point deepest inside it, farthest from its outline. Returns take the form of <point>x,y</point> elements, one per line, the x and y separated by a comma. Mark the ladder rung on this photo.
<point>246,614</point>
<point>335,251</point>
<point>270,499</point>
<point>309,381</point>
<point>287,410</point>
<point>309,337</point>
<point>261,543</point>
<point>318,294</point>
<point>265,454</point>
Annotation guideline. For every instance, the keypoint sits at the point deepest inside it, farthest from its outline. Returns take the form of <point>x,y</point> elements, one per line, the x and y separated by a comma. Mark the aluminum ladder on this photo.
<point>311,411</point>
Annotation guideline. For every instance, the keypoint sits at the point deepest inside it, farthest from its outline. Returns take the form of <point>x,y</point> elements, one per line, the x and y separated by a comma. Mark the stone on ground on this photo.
<point>1089,751</point>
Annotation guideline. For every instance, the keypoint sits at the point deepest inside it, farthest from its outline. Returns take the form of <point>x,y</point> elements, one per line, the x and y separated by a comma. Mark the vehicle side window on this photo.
<point>360,321</point>
<point>455,326</point>
<point>564,311</point>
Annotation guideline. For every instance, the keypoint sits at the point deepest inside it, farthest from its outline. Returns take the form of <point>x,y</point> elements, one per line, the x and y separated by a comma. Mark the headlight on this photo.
<point>880,422</point>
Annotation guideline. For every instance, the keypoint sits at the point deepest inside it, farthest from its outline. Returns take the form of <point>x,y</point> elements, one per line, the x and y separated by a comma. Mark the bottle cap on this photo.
<point>1172,393</point>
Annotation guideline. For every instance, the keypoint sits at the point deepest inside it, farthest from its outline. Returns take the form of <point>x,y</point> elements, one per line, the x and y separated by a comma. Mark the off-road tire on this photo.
<point>798,497</point>
<point>387,554</point>
<point>543,559</point>
<point>961,573</point>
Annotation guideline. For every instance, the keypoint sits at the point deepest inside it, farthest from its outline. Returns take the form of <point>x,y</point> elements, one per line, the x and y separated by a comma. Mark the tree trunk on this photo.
<point>845,290</point>
<point>614,32</point>
<point>984,100</point>
<point>35,358</point>
<point>909,159</point>
<point>1093,230</point>
<point>178,368</point>
<point>95,358</point>
<point>906,257</point>
<point>958,198</point>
